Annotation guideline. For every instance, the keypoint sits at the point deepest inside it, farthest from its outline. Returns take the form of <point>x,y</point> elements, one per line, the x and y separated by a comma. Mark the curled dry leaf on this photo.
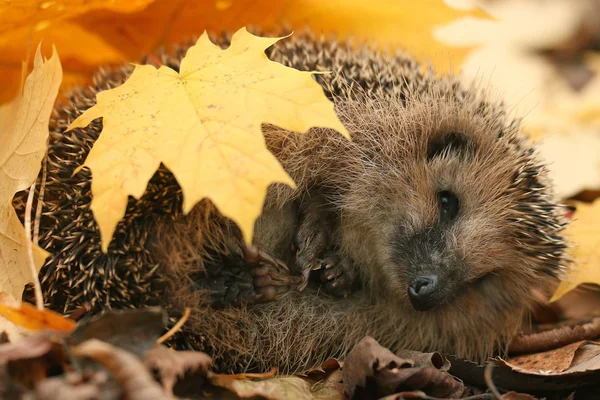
<point>129,371</point>
<point>555,338</point>
<point>23,136</point>
<point>172,365</point>
<point>204,125</point>
<point>370,368</point>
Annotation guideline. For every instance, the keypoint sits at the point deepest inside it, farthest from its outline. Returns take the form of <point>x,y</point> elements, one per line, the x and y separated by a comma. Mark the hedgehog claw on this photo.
<point>337,276</point>
<point>271,276</point>
<point>312,239</point>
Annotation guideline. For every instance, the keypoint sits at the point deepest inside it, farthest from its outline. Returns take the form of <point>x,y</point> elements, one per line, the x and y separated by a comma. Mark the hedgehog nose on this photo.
<point>422,292</point>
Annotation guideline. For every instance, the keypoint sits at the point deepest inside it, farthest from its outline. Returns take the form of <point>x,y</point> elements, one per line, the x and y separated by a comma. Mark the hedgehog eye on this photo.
<point>449,205</point>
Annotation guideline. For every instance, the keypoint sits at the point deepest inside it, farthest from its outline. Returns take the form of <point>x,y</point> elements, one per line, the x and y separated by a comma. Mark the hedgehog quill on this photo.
<point>427,231</point>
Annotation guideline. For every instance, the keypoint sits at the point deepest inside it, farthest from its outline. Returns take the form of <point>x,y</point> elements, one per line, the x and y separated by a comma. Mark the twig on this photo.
<point>39,300</point>
<point>40,203</point>
<point>175,328</point>
<point>487,375</point>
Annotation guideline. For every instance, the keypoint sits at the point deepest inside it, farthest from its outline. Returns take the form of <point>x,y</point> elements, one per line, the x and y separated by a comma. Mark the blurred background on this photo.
<point>542,57</point>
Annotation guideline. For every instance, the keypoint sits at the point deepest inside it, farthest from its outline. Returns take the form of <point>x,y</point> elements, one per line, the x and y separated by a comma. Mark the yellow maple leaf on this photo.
<point>23,143</point>
<point>204,124</point>
<point>584,232</point>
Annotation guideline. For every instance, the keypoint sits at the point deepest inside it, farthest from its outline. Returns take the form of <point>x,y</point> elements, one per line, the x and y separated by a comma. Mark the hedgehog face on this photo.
<point>469,208</point>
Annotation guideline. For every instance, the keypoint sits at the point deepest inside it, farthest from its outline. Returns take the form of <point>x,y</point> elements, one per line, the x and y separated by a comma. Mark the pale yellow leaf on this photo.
<point>204,124</point>
<point>12,330</point>
<point>23,143</point>
<point>584,232</point>
<point>39,256</point>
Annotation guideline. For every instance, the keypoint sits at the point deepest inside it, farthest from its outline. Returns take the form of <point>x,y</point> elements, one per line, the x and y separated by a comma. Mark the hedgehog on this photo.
<point>428,230</point>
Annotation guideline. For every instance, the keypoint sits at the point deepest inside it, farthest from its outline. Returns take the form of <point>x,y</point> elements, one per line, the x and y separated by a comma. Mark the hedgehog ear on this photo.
<point>455,143</point>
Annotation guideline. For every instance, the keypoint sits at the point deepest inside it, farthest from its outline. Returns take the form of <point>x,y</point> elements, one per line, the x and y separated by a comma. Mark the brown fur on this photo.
<point>383,191</point>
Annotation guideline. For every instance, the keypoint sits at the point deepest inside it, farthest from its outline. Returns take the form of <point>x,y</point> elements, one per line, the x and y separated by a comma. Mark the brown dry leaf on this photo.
<point>578,362</point>
<point>204,125</point>
<point>30,359</point>
<point>72,386</point>
<point>91,33</point>
<point>173,365</point>
<point>517,396</point>
<point>555,338</point>
<point>23,136</point>
<point>29,317</point>
<point>552,361</point>
<point>31,346</point>
<point>371,369</point>
<point>289,387</point>
<point>134,330</point>
<point>134,379</point>
<point>584,232</point>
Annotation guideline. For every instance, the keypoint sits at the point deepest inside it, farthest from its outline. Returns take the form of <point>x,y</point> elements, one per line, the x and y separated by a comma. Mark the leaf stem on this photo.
<point>39,299</point>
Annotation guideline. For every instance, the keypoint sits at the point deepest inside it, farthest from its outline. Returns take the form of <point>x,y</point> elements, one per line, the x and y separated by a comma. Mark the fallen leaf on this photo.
<point>510,377</point>
<point>558,337</point>
<point>129,371</point>
<point>172,365</point>
<point>552,361</point>
<point>31,346</point>
<point>11,330</point>
<point>370,369</point>
<point>134,330</point>
<point>31,359</point>
<point>72,386</point>
<point>23,136</point>
<point>204,125</point>
<point>289,387</point>
<point>39,256</point>
<point>517,396</point>
<point>29,317</point>
<point>584,232</point>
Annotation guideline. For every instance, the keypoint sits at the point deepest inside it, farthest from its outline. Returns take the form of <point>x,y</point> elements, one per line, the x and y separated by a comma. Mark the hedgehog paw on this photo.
<point>312,239</point>
<point>271,276</point>
<point>336,274</point>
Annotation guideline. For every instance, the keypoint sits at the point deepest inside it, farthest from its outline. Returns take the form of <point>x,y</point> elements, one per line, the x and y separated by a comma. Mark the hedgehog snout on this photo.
<point>422,292</point>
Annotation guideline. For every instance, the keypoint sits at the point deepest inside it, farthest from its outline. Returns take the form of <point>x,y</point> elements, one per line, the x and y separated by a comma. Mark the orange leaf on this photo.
<point>29,317</point>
